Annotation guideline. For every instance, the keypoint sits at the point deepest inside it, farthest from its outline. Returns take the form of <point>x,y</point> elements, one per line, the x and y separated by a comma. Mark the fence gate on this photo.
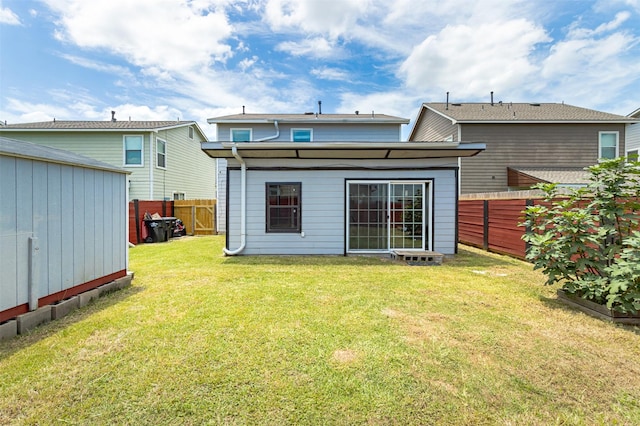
<point>198,216</point>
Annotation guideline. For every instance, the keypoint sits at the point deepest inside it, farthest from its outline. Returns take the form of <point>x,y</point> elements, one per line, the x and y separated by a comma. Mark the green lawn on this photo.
<point>205,339</point>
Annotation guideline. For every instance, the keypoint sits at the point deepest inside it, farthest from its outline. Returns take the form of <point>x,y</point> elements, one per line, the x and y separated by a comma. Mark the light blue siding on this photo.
<point>323,203</point>
<point>8,239</point>
<point>633,137</point>
<point>322,132</point>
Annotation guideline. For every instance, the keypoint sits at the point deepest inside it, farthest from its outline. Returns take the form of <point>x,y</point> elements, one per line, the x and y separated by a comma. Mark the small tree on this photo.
<point>589,240</point>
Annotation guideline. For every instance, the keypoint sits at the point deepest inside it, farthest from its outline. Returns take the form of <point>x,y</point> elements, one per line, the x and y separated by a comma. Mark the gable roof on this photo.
<point>372,118</point>
<point>101,126</point>
<point>635,114</point>
<point>498,112</point>
<point>33,151</point>
<point>518,112</point>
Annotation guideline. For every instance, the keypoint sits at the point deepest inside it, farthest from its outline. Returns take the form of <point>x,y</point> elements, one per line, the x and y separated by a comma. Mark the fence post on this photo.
<point>136,214</point>
<point>485,232</point>
<point>527,229</point>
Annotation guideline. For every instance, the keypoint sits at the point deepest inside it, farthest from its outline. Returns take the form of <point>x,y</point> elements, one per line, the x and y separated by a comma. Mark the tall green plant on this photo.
<point>587,240</point>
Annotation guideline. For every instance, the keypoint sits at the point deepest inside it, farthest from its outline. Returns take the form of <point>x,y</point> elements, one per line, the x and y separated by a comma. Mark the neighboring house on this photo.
<point>523,140</point>
<point>633,135</point>
<point>164,157</point>
<point>63,226</point>
<point>335,184</point>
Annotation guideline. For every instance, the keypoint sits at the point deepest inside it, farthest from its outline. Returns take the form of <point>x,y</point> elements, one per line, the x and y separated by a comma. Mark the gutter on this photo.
<point>243,205</point>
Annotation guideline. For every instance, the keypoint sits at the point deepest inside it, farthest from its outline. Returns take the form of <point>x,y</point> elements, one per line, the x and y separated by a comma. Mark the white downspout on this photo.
<point>268,138</point>
<point>151,165</point>
<point>243,204</point>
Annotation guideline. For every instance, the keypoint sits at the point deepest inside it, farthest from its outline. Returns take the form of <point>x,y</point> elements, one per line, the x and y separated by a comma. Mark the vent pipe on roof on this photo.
<point>319,107</point>
<point>373,114</point>
<point>242,109</point>
<point>492,98</point>
<point>447,107</point>
<point>113,116</point>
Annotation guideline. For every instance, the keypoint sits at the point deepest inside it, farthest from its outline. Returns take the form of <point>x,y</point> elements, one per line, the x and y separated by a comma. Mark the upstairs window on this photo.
<point>133,152</point>
<point>608,145</point>
<point>190,132</point>
<point>283,207</point>
<point>240,135</point>
<point>301,135</point>
<point>161,153</point>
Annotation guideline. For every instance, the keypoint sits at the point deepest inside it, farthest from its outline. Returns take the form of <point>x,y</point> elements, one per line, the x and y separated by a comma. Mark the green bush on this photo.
<point>588,240</point>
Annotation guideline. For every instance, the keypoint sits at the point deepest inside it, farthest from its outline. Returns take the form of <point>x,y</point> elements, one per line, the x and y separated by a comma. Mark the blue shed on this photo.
<point>63,226</point>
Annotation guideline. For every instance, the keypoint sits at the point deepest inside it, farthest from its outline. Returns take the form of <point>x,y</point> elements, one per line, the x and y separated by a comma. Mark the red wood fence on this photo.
<point>493,225</point>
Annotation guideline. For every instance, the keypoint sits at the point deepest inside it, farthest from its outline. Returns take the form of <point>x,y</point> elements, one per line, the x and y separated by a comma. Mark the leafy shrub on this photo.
<point>588,239</point>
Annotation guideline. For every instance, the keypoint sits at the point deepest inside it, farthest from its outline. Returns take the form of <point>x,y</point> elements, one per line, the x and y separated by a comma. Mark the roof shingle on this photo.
<point>517,112</point>
<point>96,125</point>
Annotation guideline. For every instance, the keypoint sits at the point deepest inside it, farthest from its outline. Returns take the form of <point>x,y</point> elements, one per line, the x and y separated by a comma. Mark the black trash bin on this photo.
<point>157,230</point>
<point>169,225</point>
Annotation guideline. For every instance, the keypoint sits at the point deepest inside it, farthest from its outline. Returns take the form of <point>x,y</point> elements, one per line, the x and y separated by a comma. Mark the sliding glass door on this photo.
<point>384,216</point>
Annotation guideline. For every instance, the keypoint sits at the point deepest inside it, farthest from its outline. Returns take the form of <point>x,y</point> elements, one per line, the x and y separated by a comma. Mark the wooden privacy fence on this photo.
<point>198,216</point>
<point>493,225</point>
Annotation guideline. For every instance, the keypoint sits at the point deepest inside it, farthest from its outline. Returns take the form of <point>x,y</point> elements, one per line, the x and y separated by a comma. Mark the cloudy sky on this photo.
<point>196,59</point>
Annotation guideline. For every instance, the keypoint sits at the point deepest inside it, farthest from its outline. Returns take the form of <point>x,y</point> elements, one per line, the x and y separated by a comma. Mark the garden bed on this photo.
<point>597,310</point>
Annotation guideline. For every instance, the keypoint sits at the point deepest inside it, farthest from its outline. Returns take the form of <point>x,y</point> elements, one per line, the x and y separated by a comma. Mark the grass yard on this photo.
<point>205,339</point>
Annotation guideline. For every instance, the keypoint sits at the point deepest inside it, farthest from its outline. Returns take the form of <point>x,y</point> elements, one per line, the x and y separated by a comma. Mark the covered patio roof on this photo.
<point>343,150</point>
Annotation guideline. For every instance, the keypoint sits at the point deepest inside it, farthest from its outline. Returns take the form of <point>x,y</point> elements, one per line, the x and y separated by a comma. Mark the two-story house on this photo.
<point>526,143</point>
<point>163,157</point>
<point>335,184</point>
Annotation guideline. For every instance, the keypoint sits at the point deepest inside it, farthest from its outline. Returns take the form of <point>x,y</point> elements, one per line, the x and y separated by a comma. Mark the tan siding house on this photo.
<point>164,157</point>
<point>522,136</point>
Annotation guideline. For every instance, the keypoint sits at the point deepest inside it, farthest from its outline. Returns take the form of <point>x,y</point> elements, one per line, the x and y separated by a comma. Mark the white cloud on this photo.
<point>7,16</point>
<point>328,73</point>
<point>589,66</point>
<point>334,18</point>
<point>472,61</point>
<point>317,47</point>
<point>172,34</point>
<point>97,65</point>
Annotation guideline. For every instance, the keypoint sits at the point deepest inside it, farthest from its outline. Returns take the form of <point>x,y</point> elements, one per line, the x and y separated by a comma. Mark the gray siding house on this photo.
<point>525,143</point>
<point>163,157</point>
<point>335,184</point>
<point>63,225</point>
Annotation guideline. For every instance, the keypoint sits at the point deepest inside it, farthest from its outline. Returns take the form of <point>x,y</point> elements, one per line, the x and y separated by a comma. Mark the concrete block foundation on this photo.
<point>63,308</point>
<point>8,329</point>
<point>31,320</point>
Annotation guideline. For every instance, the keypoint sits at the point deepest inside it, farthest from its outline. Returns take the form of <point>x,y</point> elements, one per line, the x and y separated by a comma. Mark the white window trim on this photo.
<point>600,142</point>
<point>174,193</point>
<point>124,151</point>
<point>165,154</point>
<point>304,129</point>
<point>240,128</point>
